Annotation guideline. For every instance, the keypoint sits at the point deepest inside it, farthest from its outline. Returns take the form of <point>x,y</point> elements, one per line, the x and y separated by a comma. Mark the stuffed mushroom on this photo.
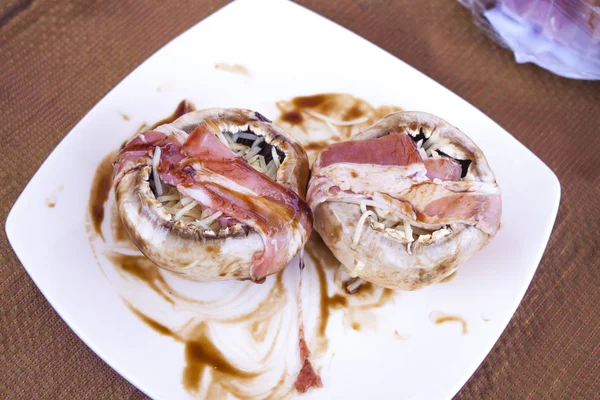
<point>406,202</point>
<point>216,194</point>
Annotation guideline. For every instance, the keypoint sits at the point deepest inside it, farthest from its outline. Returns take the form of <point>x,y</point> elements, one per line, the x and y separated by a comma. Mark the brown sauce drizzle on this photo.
<point>316,145</point>
<point>234,68</point>
<point>299,116</point>
<point>119,232</point>
<point>143,269</point>
<point>293,117</point>
<point>125,117</point>
<point>200,353</point>
<point>316,248</point>
<point>368,291</point>
<point>448,278</point>
<point>339,106</point>
<point>324,298</point>
<point>143,127</point>
<point>183,107</point>
<point>275,392</point>
<point>276,299</point>
<point>156,326</point>
<point>338,301</point>
<point>368,295</point>
<point>51,200</point>
<point>440,318</point>
<point>101,186</point>
<point>258,329</point>
<point>313,250</point>
<point>311,101</point>
<point>387,296</point>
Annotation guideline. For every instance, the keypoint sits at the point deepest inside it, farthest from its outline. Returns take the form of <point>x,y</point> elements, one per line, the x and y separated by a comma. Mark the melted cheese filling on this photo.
<point>380,220</point>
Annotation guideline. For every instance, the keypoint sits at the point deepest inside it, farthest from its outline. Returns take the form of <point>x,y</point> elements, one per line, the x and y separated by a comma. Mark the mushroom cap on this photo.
<point>385,259</point>
<point>191,251</point>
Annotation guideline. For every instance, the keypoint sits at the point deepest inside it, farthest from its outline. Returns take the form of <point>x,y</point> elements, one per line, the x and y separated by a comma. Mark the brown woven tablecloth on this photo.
<point>59,58</point>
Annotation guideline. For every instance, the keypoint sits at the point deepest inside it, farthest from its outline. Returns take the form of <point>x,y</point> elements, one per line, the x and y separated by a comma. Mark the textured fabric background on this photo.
<point>59,58</point>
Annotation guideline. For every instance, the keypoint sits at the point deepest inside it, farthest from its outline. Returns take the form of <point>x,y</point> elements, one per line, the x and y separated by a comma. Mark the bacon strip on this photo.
<point>397,149</point>
<point>338,174</point>
<point>307,377</point>
<point>387,150</point>
<point>139,150</point>
<point>443,168</point>
<point>206,170</point>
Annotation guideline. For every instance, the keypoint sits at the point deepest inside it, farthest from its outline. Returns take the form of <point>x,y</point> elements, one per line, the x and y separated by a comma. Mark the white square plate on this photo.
<point>288,51</point>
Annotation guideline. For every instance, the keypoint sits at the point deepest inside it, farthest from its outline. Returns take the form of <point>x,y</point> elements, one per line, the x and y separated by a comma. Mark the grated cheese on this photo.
<point>210,219</point>
<point>367,203</point>
<point>272,170</point>
<point>262,163</point>
<point>436,145</point>
<point>380,212</point>
<point>194,213</point>
<point>357,269</point>
<point>246,135</point>
<point>253,159</point>
<point>184,210</point>
<point>428,144</point>
<point>238,148</point>
<point>389,223</point>
<point>333,128</point>
<point>275,156</point>
<point>168,197</point>
<point>408,231</point>
<point>354,285</point>
<point>360,224</point>
<point>186,200</point>
<point>222,139</point>
<point>215,129</point>
<point>254,150</point>
<point>397,228</point>
<point>363,207</point>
